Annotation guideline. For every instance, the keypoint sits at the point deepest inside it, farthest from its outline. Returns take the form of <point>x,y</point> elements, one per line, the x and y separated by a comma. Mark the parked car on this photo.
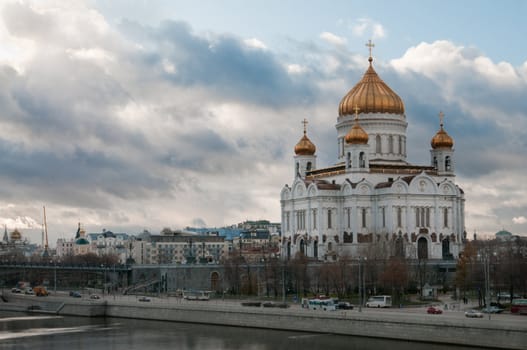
<point>344,305</point>
<point>473,314</point>
<point>75,294</point>
<point>144,299</point>
<point>492,310</point>
<point>16,290</point>
<point>29,291</point>
<point>95,296</point>
<point>434,310</point>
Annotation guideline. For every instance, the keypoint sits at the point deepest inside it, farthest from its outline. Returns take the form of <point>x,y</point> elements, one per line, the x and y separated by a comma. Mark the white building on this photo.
<point>372,199</point>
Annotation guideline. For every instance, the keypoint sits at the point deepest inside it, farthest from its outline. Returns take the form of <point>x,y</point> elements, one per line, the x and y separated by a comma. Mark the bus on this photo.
<point>196,294</point>
<point>379,301</point>
<point>519,306</point>
<point>322,304</point>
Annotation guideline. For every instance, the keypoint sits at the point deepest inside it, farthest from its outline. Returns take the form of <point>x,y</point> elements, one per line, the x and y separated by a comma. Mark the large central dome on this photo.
<point>371,95</point>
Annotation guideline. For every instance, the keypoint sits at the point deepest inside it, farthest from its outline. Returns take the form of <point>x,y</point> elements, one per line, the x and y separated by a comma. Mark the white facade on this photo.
<point>372,199</point>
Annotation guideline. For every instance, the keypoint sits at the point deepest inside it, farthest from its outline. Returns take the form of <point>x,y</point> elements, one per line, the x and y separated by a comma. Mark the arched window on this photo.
<point>390,144</point>
<point>329,218</point>
<point>362,160</point>
<point>297,168</point>
<point>447,163</point>
<point>348,160</point>
<point>308,166</point>
<point>302,247</point>
<point>399,247</point>
<point>446,248</point>
<point>422,248</point>
<point>435,162</point>
<point>400,140</point>
<point>214,281</point>
<point>288,250</point>
<point>378,145</point>
<point>363,215</point>
<point>315,248</point>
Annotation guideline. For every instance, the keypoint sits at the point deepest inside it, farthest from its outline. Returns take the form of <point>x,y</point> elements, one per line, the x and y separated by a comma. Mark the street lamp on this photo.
<point>485,257</point>
<point>361,282</point>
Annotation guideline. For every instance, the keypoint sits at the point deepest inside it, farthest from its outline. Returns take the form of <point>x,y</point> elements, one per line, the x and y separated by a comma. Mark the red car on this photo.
<point>434,310</point>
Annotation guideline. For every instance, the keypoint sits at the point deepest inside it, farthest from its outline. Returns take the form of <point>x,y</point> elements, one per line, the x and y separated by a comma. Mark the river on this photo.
<point>42,332</point>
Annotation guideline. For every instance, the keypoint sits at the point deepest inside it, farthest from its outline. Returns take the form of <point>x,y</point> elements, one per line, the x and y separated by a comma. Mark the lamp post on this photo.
<point>362,283</point>
<point>485,257</point>
<point>55,280</point>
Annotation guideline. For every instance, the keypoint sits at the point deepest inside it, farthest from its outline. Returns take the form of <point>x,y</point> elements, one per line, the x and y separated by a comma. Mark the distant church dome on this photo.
<point>82,241</point>
<point>503,234</point>
<point>371,95</point>
<point>305,147</point>
<point>16,235</point>
<point>441,139</point>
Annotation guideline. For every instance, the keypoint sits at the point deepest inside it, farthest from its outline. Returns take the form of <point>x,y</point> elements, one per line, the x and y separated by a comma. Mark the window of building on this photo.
<point>348,214</point>
<point>329,219</point>
<point>445,217</point>
<point>390,144</point>
<point>378,148</point>
<point>314,219</point>
<point>447,163</point>
<point>383,217</point>
<point>399,217</point>
<point>422,217</point>
<point>363,215</point>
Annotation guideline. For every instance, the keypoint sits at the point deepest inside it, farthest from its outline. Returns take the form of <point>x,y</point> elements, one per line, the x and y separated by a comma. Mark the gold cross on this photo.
<point>356,109</point>
<point>441,116</point>
<point>305,124</point>
<point>370,45</point>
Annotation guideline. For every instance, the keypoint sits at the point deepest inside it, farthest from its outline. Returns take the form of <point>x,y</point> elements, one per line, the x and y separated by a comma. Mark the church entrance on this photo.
<point>422,248</point>
<point>446,249</point>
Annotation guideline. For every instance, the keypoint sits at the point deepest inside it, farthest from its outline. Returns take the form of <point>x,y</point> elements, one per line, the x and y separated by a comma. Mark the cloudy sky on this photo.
<point>132,115</point>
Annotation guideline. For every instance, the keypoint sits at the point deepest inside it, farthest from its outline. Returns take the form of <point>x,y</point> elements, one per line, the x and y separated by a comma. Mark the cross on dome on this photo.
<point>370,45</point>
<point>356,109</point>
<point>305,122</point>
<point>441,116</point>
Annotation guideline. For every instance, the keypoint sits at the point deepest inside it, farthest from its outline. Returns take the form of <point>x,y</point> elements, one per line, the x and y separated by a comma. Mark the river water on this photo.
<point>20,331</point>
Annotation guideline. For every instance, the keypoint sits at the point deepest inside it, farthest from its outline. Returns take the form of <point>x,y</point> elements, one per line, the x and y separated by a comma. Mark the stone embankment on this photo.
<point>500,332</point>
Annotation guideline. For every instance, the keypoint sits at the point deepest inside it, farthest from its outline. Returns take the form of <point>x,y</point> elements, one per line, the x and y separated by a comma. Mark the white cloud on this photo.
<point>296,68</point>
<point>367,27</point>
<point>519,220</point>
<point>332,38</point>
<point>255,44</point>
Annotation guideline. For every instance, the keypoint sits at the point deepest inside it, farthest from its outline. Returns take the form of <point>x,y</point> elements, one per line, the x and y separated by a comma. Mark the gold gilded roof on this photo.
<point>371,95</point>
<point>305,147</point>
<point>441,139</point>
<point>356,135</point>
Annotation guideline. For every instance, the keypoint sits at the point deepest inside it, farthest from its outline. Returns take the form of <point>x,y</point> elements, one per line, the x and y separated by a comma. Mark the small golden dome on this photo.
<point>305,147</point>
<point>441,139</point>
<point>371,95</point>
<point>16,235</point>
<point>356,135</point>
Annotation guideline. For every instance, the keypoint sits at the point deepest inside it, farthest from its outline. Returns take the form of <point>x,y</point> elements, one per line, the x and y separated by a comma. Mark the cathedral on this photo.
<point>372,201</point>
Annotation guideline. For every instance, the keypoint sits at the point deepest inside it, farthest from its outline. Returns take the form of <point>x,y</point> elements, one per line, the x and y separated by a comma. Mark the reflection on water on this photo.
<point>60,333</point>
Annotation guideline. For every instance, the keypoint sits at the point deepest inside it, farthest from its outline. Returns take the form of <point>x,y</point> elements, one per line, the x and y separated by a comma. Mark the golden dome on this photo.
<point>356,135</point>
<point>16,235</point>
<point>441,139</point>
<point>305,147</point>
<point>371,95</point>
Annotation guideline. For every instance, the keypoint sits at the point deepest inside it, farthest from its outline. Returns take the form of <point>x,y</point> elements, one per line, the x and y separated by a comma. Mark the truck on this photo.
<point>40,291</point>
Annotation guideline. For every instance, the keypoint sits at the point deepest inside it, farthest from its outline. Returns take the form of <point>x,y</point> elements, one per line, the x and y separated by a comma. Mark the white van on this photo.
<point>379,301</point>
<point>322,304</point>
